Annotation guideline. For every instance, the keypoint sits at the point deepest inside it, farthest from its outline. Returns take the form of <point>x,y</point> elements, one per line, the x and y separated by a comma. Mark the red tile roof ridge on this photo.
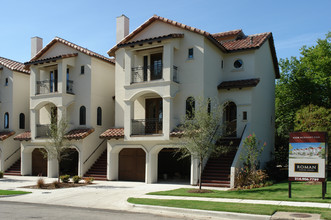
<point>231,32</point>
<point>13,65</point>
<point>25,136</point>
<point>113,133</point>
<point>74,46</point>
<point>78,133</point>
<point>6,134</point>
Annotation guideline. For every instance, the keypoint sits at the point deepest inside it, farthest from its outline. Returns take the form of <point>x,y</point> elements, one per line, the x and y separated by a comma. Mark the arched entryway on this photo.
<point>132,162</point>
<point>171,167</point>
<point>39,162</point>
<point>69,163</point>
<point>230,119</point>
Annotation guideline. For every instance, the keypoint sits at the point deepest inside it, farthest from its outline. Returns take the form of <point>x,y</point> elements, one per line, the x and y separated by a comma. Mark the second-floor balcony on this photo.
<point>146,126</point>
<point>50,86</point>
<point>150,73</point>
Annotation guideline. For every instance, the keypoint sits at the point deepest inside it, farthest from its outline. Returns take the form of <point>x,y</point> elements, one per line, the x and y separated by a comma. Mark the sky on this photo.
<point>92,24</point>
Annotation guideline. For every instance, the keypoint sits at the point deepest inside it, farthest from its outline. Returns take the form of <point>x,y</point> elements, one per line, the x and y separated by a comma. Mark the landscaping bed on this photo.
<point>56,186</point>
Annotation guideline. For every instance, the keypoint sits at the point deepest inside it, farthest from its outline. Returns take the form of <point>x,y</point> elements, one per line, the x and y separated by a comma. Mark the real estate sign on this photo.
<point>308,156</point>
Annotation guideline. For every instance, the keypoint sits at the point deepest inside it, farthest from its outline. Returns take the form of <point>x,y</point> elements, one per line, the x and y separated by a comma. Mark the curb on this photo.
<point>203,213</point>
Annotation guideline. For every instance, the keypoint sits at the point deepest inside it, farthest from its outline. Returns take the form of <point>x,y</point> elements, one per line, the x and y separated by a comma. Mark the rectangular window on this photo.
<point>82,70</point>
<point>6,82</point>
<point>244,115</point>
<point>190,53</point>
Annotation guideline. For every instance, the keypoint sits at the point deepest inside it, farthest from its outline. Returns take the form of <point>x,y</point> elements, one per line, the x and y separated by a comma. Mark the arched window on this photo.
<point>6,120</point>
<point>99,116</point>
<point>22,121</point>
<point>190,107</point>
<point>82,115</point>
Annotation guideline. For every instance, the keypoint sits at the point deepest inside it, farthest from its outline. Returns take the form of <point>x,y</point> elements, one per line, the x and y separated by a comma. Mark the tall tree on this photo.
<point>305,80</point>
<point>201,129</point>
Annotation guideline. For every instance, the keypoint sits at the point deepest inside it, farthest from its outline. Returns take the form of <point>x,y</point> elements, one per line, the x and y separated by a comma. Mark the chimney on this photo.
<point>122,28</point>
<point>36,45</point>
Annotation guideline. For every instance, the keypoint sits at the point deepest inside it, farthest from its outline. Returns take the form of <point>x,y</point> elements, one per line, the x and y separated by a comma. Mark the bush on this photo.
<point>1,174</point>
<point>249,179</point>
<point>76,179</point>
<point>65,178</point>
<point>40,183</point>
<point>88,180</point>
<point>56,184</point>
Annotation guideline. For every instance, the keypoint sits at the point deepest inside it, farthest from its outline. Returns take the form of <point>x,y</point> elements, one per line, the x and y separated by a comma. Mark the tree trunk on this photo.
<point>200,172</point>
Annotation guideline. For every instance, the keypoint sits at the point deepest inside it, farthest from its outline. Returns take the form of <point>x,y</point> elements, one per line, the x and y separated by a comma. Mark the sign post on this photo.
<point>308,158</point>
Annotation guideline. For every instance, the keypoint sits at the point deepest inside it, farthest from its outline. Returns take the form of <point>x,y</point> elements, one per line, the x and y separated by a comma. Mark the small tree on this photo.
<point>57,146</point>
<point>201,131</point>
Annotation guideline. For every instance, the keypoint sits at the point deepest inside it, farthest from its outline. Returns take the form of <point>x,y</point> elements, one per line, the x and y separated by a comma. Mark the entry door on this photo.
<point>156,66</point>
<point>39,163</point>
<point>53,81</point>
<point>154,116</point>
<point>231,120</point>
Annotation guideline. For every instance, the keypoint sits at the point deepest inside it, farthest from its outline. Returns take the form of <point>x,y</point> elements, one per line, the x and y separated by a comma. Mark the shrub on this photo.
<point>56,184</point>
<point>65,178</point>
<point>40,183</point>
<point>76,179</point>
<point>88,180</point>
<point>1,174</point>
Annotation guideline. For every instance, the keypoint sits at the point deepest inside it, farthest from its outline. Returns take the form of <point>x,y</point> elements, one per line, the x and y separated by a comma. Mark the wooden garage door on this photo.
<point>132,164</point>
<point>39,163</point>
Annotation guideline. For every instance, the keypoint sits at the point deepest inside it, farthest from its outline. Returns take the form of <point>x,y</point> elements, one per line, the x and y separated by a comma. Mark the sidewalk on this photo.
<point>113,195</point>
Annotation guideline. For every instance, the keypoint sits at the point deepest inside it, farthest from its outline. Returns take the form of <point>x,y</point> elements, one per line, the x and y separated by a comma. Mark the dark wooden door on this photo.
<point>231,119</point>
<point>132,164</point>
<point>39,163</point>
<point>156,66</point>
<point>153,116</point>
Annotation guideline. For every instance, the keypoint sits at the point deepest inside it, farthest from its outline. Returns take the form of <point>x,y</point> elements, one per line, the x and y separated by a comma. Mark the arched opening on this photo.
<point>82,115</point>
<point>230,119</point>
<point>22,121</point>
<point>190,107</point>
<point>39,162</point>
<point>69,162</point>
<point>171,168</point>
<point>132,163</point>
<point>6,120</point>
<point>99,116</point>
<point>46,115</point>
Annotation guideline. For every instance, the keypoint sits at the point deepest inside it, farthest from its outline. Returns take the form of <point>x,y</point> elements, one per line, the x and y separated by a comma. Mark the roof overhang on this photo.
<point>246,83</point>
<point>50,59</point>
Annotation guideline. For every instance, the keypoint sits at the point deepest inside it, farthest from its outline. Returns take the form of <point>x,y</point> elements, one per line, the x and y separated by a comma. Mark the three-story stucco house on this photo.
<point>160,68</point>
<point>71,82</point>
<point>14,112</point>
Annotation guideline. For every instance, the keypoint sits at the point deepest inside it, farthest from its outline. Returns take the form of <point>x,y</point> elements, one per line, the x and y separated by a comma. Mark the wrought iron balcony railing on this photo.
<point>146,126</point>
<point>43,130</point>
<point>50,86</point>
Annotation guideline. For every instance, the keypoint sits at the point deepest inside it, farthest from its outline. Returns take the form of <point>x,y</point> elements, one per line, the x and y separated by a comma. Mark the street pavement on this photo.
<point>113,195</point>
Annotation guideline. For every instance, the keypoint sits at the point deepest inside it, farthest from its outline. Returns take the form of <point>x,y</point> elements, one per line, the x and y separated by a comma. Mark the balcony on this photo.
<point>150,73</point>
<point>146,126</point>
<point>50,86</point>
<point>42,130</point>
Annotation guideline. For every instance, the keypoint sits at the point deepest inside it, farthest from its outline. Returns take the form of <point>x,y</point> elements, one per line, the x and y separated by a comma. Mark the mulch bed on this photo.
<point>199,191</point>
<point>57,185</point>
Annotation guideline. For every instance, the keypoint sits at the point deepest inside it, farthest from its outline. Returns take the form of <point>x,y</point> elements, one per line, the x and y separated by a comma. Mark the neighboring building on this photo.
<point>14,110</point>
<point>73,82</point>
<point>164,64</point>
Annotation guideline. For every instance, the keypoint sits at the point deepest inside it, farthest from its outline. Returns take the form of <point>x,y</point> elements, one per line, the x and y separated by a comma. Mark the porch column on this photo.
<point>52,167</point>
<point>167,116</point>
<point>33,123</point>
<point>61,113</point>
<point>61,72</point>
<point>168,61</point>
<point>26,160</point>
<point>128,66</point>
<point>34,77</point>
<point>194,170</point>
<point>128,116</point>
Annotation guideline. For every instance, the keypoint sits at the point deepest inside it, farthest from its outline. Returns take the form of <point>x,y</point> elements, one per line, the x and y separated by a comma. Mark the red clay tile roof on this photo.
<point>238,84</point>
<point>72,45</point>
<point>152,39</point>
<point>79,133</point>
<point>13,65</point>
<point>113,133</point>
<point>111,52</point>
<point>227,35</point>
<point>25,136</point>
<point>176,133</point>
<point>51,59</point>
<point>6,134</point>
<point>248,42</point>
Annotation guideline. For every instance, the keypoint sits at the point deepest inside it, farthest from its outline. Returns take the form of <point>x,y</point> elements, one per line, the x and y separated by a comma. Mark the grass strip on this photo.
<point>231,207</point>
<point>11,192</point>
<point>301,192</point>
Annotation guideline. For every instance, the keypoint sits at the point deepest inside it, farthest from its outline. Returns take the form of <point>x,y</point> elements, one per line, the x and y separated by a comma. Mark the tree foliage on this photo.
<point>304,81</point>
<point>202,131</point>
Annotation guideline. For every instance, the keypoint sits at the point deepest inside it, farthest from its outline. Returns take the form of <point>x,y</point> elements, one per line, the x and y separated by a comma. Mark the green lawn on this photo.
<point>300,192</point>
<point>11,192</point>
<point>231,207</point>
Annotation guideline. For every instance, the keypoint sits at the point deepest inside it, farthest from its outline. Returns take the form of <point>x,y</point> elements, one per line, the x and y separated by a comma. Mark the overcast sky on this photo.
<point>91,24</point>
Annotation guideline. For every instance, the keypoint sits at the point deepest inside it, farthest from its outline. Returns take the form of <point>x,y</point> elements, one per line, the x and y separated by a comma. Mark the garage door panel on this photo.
<point>132,164</point>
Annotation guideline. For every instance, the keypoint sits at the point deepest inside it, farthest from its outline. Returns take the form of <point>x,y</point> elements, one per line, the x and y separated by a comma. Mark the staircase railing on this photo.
<point>94,151</point>
<point>12,154</point>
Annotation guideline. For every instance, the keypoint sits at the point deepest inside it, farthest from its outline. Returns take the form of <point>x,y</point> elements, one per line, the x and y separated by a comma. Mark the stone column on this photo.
<point>167,116</point>
<point>128,116</point>
<point>128,66</point>
<point>34,115</point>
<point>168,61</point>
